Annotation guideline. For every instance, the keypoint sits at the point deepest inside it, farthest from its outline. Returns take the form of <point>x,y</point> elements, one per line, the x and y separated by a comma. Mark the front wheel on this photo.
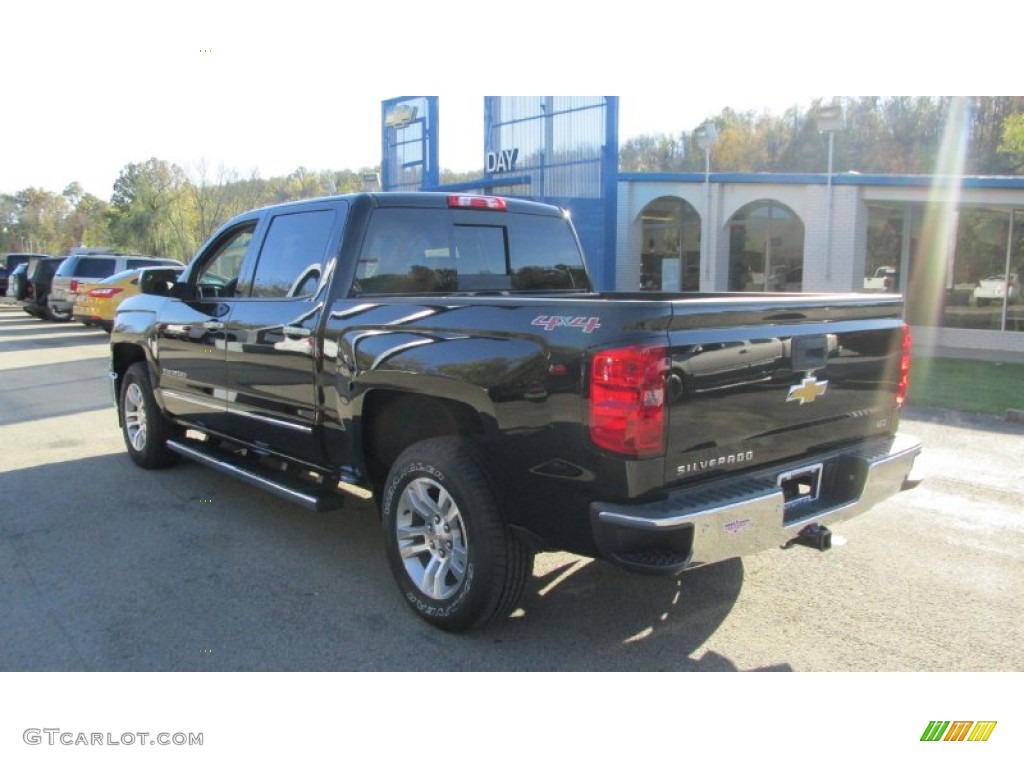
<point>144,428</point>
<point>454,559</point>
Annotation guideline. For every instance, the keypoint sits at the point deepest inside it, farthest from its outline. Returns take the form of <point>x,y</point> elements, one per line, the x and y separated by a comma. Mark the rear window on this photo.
<point>427,251</point>
<point>87,266</point>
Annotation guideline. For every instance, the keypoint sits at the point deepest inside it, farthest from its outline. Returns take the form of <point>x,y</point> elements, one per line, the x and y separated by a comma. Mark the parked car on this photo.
<point>97,305</point>
<point>84,268</point>
<point>39,274</point>
<point>885,279</point>
<point>995,288</point>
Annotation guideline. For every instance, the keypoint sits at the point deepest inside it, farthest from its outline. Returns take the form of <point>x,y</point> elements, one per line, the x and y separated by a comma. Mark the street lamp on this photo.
<point>705,135</point>
<point>830,119</point>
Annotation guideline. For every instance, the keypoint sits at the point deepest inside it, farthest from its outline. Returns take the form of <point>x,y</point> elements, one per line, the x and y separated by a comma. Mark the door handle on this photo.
<point>296,331</point>
<point>213,325</point>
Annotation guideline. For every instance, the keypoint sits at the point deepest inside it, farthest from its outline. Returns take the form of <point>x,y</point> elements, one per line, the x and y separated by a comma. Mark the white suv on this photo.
<point>86,266</point>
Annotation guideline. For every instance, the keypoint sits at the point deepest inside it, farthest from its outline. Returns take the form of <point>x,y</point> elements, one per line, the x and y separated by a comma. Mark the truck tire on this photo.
<point>144,428</point>
<point>455,561</point>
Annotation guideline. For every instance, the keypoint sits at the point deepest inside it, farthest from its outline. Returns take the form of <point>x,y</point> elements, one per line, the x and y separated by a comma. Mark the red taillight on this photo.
<point>627,400</point>
<point>903,385</point>
<point>478,201</point>
<point>74,286</point>
<point>104,293</point>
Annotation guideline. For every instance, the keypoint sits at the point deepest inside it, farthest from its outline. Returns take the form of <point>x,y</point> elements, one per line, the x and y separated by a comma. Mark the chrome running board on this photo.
<point>307,493</point>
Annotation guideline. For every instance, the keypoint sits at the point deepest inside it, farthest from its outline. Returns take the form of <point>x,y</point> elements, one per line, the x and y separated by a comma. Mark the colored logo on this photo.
<point>400,116</point>
<point>549,323</point>
<point>807,391</point>
<point>959,730</point>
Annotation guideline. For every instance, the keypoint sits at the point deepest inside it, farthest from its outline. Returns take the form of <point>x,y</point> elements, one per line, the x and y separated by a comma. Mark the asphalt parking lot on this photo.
<point>104,566</point>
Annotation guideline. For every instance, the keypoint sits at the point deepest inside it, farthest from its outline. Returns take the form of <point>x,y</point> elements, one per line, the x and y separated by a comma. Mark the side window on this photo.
<point>292,257</point>
<point>218,276</point>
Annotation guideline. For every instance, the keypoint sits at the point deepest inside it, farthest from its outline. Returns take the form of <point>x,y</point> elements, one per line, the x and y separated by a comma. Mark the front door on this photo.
<point>192,337</point>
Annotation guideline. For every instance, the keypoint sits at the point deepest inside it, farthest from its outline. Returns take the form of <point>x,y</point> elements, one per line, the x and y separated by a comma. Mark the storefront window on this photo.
<point>978,286</point>
<point>766,248</point>
<point>885,249</point>
<point>670,258</point>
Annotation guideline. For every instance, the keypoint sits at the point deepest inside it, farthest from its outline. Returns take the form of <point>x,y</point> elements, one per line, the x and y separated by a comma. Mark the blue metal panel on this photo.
<point>409,146</point>
<point>561,150</point>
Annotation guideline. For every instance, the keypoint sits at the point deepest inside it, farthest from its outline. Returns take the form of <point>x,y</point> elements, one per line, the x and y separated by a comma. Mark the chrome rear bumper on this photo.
<point>748,513</point>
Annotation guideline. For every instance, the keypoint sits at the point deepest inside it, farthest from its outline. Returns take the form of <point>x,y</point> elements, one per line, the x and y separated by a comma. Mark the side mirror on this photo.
<point>161,284</point>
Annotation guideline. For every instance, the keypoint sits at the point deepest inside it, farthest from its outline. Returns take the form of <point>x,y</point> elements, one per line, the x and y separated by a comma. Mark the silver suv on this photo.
<point>83,268</point>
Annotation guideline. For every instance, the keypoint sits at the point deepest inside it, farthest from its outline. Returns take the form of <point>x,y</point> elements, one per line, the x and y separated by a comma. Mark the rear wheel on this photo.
<point>54,315</point>
<point>144,428</point>
<point>454,559</point>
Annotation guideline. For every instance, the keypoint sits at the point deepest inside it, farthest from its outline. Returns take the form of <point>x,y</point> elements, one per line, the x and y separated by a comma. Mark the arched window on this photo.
<point>766,248</point>
<point>670,256</point>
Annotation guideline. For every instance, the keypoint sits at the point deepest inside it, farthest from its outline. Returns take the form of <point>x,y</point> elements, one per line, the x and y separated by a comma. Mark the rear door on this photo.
<point>273,354</point>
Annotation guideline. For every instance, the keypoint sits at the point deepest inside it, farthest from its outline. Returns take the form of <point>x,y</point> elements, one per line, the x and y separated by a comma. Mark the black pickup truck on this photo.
<point>448,355</point>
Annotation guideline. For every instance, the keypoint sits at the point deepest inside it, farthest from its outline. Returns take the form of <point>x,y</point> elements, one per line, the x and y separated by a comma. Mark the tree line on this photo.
<point>901,135</point>
<point>158,208</point>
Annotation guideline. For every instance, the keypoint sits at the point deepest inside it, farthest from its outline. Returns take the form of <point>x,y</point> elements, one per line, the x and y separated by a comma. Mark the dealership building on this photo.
<point>953,245</point>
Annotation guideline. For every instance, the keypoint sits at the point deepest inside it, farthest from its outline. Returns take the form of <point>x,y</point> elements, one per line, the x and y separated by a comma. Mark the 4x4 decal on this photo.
<point>550,322</point>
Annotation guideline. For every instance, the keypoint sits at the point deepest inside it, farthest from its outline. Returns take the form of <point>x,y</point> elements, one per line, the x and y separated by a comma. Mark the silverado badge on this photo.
<point>807,390</point>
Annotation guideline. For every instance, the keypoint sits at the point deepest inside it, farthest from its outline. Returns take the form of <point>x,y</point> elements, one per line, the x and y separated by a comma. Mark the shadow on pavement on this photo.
<point>110,567</point>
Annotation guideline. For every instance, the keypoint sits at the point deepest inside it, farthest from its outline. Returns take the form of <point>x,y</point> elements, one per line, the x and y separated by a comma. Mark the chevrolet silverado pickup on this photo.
<point>448,355</point>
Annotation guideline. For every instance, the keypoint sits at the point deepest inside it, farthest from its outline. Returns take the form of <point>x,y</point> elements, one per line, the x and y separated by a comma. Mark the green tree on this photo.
<point>657,152</point>
<point>88,223</point>
<point>39,221</point>
<point>150,209</point>
<point>1012,143</point>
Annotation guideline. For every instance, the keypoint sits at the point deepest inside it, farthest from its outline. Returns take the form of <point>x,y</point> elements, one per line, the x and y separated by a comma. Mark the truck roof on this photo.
<point>418,200</point>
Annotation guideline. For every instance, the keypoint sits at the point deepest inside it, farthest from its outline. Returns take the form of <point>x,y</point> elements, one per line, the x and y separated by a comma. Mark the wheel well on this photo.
<point>123,357</point>
<point>392,421</point>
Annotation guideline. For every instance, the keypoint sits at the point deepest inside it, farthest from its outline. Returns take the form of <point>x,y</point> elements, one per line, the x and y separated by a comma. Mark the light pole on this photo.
<point>829,119</point>
<point>706,135</point>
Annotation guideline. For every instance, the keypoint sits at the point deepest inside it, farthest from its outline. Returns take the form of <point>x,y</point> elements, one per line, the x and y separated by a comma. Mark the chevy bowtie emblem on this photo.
<point>807,390</point>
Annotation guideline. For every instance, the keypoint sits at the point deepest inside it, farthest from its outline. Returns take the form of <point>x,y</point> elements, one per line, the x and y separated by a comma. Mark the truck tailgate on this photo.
<point>772,379</point>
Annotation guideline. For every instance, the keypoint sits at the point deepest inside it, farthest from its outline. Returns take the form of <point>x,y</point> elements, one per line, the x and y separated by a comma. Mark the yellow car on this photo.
<point>97,305</point>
